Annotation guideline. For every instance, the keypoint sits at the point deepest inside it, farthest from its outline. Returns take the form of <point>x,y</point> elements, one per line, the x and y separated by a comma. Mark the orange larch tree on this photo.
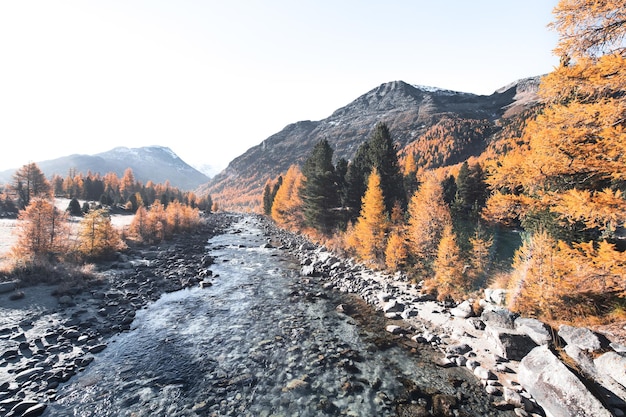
<point>43,232</point>
<point>449,280</point>
<point>97,237</point>
<point>566,183</point>
<point>428,216</point>
<point>287,205</point>
<point>370,229</point>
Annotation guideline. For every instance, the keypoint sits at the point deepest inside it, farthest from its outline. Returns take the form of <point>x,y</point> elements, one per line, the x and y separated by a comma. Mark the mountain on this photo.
<point>151,163</point>
<point>410,112</point>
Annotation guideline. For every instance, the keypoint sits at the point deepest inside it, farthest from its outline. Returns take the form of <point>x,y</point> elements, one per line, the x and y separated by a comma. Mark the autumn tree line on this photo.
<point>47,234</point>
<point>560,179</point>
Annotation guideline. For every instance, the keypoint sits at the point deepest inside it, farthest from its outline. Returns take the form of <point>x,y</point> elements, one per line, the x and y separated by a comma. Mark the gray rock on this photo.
<point>621,349</point>
<point>463,310</point>
<point>496,296</point>
<point>393,306</point>
<point>35,410</point>
<point>307,271</point>
<point>613,365</point>
<point>538,331</point>
<point>65,300</point>
<point>500,317</point>
<point>555,388</point>
<point>583,338</point>
<point>7,286</point>
<point>477,323</point>
<point>460,349</point>
<point>611,392</point>
<point>510,344</point>
<point>484,373</point>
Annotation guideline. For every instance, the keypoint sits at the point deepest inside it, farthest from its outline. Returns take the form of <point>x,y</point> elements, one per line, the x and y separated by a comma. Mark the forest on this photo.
<point>557,182</point>
<point>57,244</point>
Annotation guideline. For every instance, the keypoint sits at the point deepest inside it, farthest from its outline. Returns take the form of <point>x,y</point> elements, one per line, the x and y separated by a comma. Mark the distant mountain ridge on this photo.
<point>151,163</point>
<point>408,110</point>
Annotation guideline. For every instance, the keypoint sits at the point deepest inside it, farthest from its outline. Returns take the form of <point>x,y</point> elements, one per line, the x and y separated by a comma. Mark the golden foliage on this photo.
<point>444,142</point>
<point>42,232</point>
<point>428,216</point>
<point>557,281</point>
<point>97,238</point>
<point>160,223</point>
<point>479,254</point>
<point>590,27</point>
<point>449,280</point>
<point>397,251</point>
<point>372,224</point>
<point>573,161</point>
<point>287,207</point>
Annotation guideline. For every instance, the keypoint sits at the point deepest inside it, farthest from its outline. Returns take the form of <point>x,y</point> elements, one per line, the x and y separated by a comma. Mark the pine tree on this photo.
<point>355,181</point>
<point>384,157</point>
<point>320,189</point>
<point>378,152</point>
<point>74,207</point>
<point>267,199</point>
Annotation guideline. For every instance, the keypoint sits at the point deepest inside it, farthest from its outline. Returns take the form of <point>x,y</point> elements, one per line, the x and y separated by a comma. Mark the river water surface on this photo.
<point>261,341</point>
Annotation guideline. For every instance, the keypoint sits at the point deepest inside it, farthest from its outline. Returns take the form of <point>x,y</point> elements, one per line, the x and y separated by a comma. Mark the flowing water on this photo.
<point>261,341</point>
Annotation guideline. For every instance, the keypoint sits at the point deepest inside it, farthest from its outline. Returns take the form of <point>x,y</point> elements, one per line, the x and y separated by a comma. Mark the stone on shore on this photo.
<point>556,388</point>
<point>613,365</point>
<point>510,344</point>
<point>538,331</point>
<point>583,338</point>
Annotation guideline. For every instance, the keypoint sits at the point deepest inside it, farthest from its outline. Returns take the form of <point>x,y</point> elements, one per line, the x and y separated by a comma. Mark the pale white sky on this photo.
<point>210,79</point>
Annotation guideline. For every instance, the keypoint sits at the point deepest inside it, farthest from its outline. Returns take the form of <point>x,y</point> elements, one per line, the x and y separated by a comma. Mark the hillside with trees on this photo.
<point>438,208</point>
<point>438,126</point>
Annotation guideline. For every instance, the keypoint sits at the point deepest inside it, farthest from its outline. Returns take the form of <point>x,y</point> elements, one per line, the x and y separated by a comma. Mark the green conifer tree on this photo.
<point>320,189</point>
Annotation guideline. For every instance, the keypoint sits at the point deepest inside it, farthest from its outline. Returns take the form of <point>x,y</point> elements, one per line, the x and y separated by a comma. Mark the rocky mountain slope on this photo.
<point>409,111</point>
<point>151,163</point>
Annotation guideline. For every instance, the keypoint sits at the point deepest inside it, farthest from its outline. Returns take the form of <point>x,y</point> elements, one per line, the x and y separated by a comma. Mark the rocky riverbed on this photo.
<point>490,362</point>
<point>47,337</point>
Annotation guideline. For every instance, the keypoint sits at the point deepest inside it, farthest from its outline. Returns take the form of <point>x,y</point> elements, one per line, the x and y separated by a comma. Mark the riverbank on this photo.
<point>523,364</point>
<point>51,332</point>
<point>47,336</point>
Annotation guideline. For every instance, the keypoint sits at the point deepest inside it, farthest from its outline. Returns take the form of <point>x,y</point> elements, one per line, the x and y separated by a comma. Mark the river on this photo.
<point>264,341</point>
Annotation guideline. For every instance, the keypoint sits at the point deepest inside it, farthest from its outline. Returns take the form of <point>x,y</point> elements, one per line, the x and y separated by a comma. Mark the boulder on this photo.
<point>583,338</point>
<point>556,388</point>
<point>500,317</point>
<point>605,387</point>
<point>7,286</point>
<point>538,331</point>
<point>463,310</point>
<point>510,344</point>
<point>496,296</point>
<point>613,365</point>
<point>394,329</point>
<point>393,306</point>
